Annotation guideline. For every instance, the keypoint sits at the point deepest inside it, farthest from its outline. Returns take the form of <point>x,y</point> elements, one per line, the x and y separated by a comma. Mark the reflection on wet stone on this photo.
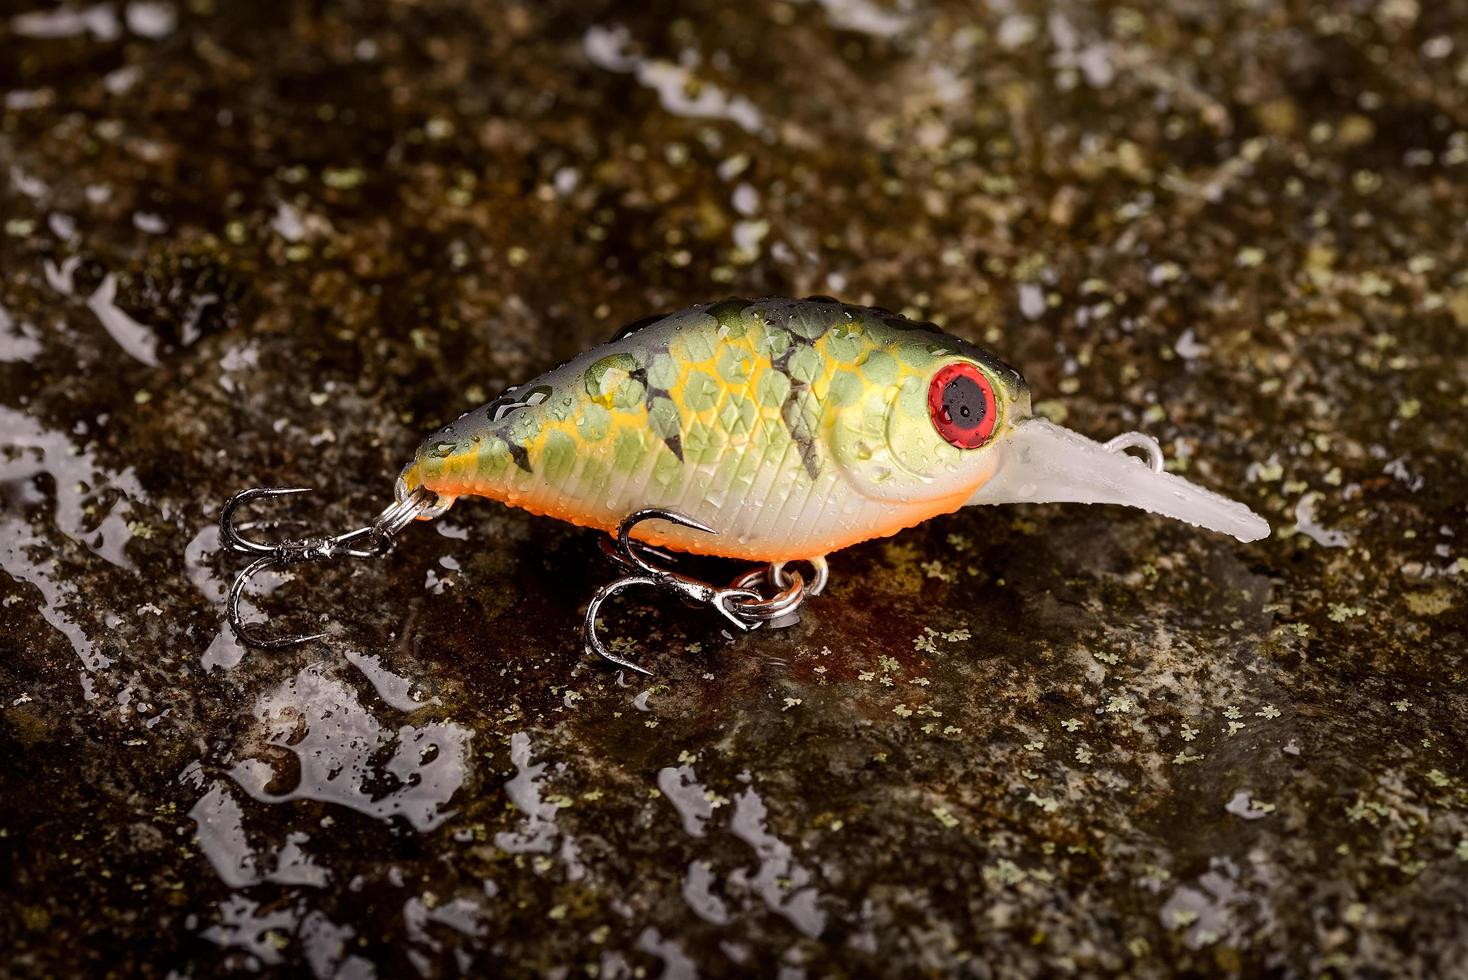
<point>221,835</point>
<point>675,962</point>
<point>460,916</point>
<point>81,487</point>
<point>682,789</point>
<point>537,831</point>
<point>524,792</point>
<point>395,691</point>
<point>1210,909</point>
<point>345,756</point>
<point>246,926</point>
<point>698,892</point>
<point>784,885</point>
<point>325,945</point>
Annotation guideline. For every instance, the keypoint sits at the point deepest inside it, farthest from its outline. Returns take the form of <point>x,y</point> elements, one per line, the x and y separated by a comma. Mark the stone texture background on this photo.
<point>248,244</point>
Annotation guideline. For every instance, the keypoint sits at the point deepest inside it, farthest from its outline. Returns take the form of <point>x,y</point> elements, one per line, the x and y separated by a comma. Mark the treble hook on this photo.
<point>371,541</point>
<point>743,607</point>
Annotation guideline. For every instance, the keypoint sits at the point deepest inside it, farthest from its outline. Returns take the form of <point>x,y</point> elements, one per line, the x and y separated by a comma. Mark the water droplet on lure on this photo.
<point>442,449</point>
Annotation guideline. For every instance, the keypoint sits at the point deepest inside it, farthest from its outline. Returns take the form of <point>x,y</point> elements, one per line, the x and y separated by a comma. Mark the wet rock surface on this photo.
<point>243,247</point>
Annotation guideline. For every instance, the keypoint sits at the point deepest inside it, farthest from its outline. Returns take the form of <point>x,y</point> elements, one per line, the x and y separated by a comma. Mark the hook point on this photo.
<point>377,537</point>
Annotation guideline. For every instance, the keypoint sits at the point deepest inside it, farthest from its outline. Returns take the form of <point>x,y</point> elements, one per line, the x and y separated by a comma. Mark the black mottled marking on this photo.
<point>517,398</point>
<point>520,455</point>
<point>790,412</point>
<point>674,442</point>
<point>499,415</point>
<point>805,440</point>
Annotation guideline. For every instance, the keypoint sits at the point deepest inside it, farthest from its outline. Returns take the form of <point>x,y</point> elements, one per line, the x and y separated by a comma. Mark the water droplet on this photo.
<point>443,449</point>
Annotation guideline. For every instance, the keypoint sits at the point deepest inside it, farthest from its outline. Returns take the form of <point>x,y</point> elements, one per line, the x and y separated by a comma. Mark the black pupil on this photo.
<point>963,402</point>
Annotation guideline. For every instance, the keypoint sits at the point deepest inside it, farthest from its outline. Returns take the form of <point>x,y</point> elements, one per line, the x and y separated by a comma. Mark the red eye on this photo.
<point>961,404</point>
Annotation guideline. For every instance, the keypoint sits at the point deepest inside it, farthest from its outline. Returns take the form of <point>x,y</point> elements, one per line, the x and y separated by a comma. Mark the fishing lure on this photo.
<point>776,431</point>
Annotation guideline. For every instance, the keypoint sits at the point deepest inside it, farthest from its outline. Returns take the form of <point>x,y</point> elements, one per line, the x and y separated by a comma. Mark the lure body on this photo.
<point>793,428</point>
<point>772,430</point>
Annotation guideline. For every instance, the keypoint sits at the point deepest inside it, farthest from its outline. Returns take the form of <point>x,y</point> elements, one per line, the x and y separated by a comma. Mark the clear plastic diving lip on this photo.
<point>1042,462</point>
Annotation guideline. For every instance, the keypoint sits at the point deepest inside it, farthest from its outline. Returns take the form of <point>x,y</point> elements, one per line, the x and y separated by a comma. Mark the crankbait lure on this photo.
<point>776,431</point>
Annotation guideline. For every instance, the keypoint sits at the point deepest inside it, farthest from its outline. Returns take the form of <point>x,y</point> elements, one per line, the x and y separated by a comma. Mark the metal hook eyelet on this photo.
<point>1139,440</point>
